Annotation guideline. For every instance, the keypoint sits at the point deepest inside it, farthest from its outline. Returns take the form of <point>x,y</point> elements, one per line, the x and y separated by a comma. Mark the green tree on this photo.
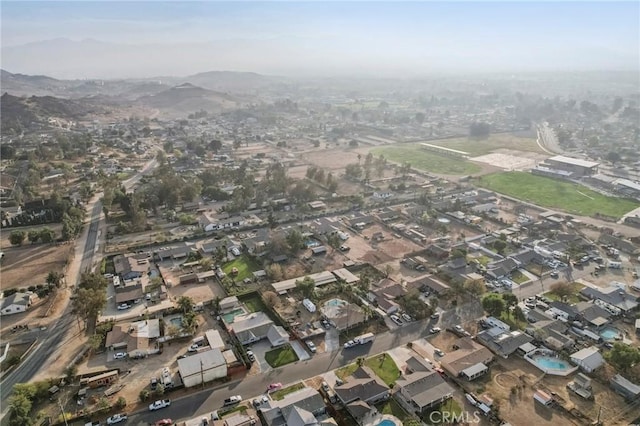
<point>623,357</point>
<point>185,304</point>
<point>306,286</point>
<point>499,246</point>
<point>16,238</point>
<point>144,395</point>
<point>121,403</point>
<point>493,304</point>
<point>20,414</point>
<point>414,306</point>
<point>33,236</point>
<point>47,235</point>
<point>353,170</point>
<point>54,278</point>
<point>475,287</point>
<point>614,157</point>
<point>88,303</point>
<point>295,240</point>
<point>275,272</point>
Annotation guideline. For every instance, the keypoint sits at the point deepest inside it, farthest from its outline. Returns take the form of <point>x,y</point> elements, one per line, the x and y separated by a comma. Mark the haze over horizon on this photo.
<point>146,39</point>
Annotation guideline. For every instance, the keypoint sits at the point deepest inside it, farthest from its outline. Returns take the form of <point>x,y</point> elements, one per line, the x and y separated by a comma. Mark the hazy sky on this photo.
<point>411,38</point>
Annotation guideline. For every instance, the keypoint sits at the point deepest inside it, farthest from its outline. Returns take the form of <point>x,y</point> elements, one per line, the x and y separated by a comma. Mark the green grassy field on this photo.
<point>556,194</point>
<point>476,147</point>
<point>426,160</point>
<point>281,356</point>
<point>246,266</point>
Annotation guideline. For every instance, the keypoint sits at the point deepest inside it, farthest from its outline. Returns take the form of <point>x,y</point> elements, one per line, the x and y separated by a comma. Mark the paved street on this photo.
<point>205,401</point>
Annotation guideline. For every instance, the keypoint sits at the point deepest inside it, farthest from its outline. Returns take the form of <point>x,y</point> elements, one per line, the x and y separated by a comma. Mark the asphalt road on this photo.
<point>203,402</point>
<point>50,339</point>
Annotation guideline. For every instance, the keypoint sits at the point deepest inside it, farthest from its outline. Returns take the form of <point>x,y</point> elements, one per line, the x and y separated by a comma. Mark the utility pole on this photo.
<point>64,416</point>
<point>202,373</point>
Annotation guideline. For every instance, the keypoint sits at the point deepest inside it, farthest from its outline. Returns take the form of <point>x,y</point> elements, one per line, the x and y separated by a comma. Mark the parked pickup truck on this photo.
<point>360,340</point>
<point>580,391</point>
<point>161,403</point>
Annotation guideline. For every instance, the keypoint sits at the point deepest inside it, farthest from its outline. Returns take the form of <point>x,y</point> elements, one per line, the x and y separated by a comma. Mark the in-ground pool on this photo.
<point>335,302</point>
<point>229,316</point>
<point>387,422</point>
<point>610,333</point>
<point>177,321</point>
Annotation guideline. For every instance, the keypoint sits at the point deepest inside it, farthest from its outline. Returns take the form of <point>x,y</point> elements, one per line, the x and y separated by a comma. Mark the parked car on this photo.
<point>159,404</point>
<point>274,386</point>
<point>344,248</point>
<point>120,355</point>
<point>554,274</point>
<point>232,400</point>
<point>123,306</point>
<point>116,418</point>
<point>438,352</point>
<point>435,330</point>
<point>326,324</point>
<point>325,386</point>
<point>459,328</point>
<point>435,316</point>
<point>154,383</point>
<point>406,317</point>
<point>311,346</point>
<point>259,401</point>
<point>251,356</point>
<point>164,422</point>
<point>396,319</point>
<point>193,348</point>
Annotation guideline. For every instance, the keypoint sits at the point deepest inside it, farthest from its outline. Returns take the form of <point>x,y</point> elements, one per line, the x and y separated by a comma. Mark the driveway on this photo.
<point>299,349</point>
<point>332,340</point>
<point>259,349</point>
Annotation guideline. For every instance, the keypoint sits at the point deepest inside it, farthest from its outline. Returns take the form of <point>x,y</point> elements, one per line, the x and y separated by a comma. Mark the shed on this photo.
<point>475,371</point>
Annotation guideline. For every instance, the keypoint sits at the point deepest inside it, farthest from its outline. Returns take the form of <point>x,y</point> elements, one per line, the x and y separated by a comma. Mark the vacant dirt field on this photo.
<point>29,265</point>
<point>333,159</point>
<point>394,247</point>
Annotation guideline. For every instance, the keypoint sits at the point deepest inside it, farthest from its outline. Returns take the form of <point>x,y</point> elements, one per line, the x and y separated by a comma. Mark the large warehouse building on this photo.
<point>577,167</point>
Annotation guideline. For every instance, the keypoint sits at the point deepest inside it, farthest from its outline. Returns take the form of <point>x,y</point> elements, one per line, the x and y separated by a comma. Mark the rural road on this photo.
<point>51,339</point>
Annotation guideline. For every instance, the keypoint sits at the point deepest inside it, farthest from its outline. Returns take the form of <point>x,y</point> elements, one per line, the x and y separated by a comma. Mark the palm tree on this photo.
<point>185,304</point>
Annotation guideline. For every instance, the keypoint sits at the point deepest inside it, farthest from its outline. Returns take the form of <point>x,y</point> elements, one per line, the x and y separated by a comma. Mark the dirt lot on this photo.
<point>29,265</point>
<point>333,159</point>
<point>362,248</point>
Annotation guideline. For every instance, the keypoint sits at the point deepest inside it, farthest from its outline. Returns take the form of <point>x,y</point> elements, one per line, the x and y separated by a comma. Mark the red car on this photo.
<point>164,422</point>
<point>274,386</point>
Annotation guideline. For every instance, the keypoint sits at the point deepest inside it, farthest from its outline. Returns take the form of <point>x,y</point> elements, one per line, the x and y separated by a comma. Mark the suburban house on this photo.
<point>251,327</point>
<point>467,354</point>
<point>432,284</point>
<point>503,342</point>
<point>422,390</point>
<point>128,293</point>
<point>202,367</point>
<point>501,269</point>
<point>129,267</point>
<point>179,251</point>
<point>344,315</point>
<point>612,296</point>
<point>302,407</point>
<point>629,390</point>
<point>257,245</point>
<point>277,335</point>
<point>210,223</point>
<point>135,337</point>
<point>360,391</point>
<point>16,303</point>
<point>385,297</point>
<point>588,359</point>
<point>553,333</point>
<point>592,315</point>
<point>210,247</point>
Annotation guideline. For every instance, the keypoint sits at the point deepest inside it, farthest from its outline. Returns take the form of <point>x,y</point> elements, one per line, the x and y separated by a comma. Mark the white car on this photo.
<point>120,355</point>
<point>407,318</point>
<point>159,404</point>
<point>123,307</point>
<point>232,400</point>
<point>459,328</point>
<point>435,330</point>
<point>193,348</point>
<point>116,418</point>
<point>396,319</point>
<point>312,347</point>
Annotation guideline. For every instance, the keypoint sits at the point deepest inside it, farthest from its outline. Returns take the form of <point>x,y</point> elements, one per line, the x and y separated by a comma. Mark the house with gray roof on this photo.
<point>251,327</point>
<point>614,296</point>
<point>629,390</point>
<point>423,390</point>
<point>360,392</point>
<point>16,303</point>
<point>501,342</point>
<point>296,408</point>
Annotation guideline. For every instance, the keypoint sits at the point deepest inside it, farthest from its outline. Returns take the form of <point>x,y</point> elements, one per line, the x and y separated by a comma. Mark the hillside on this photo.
<point>186,98</point>
<point>18,112</point>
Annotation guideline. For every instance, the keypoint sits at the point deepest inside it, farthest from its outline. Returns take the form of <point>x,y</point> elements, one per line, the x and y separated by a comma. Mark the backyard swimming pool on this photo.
<point>335,302</point>
<point>549,362</point>
<point>610,333</point>
<point>230,316</point>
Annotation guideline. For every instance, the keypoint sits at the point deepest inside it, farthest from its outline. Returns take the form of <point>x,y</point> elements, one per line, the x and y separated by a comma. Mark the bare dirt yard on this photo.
<point>30,264</point>
<point>333,159</point>
<point>397,248</point>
